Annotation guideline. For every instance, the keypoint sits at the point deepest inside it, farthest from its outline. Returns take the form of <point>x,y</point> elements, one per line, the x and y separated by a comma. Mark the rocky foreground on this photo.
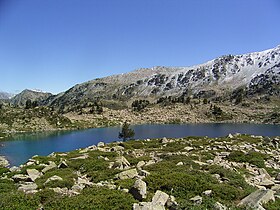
<point>233,172</point>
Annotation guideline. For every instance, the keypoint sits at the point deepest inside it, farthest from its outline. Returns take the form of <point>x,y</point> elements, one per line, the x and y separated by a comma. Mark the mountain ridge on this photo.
<point>256,73</point>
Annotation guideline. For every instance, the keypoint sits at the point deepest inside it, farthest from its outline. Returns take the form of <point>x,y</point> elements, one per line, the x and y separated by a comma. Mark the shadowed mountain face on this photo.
<point>254,73</point>
<point>21,98</point>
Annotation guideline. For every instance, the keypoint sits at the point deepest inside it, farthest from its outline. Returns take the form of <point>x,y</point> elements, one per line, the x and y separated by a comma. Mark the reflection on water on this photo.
<point>24,146</point>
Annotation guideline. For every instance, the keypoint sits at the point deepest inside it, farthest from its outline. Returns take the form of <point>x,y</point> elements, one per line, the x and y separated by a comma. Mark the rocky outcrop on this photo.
<point>257,198</point>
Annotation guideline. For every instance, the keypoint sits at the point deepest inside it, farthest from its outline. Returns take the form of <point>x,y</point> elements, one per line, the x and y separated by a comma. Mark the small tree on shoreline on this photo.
<point>126,132</point>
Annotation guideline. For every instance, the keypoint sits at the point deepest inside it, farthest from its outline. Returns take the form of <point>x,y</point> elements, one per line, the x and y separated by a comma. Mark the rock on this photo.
<point>78,187</point>
<point>140,164</point>
<point>14,169</point>
<point>85,156</point>
<point>197,200</point>
<point>62,164</point>
<point>207,192</point>
<point>264,173</point>
<point>219,206</point>
<point>266,183</point>
<point>101,144</point>
<point>200,163</point>
<point>33,174</point>
<point>144,173</point>
<point>257,198</point>
<point>117,149</point>
<point>147,206</point>
<point>129,174</point>
<point>21,178</point>
<point>230,136</point>
<point>28,188</point>
<point>150,162</point>
<point>224,154</point>
<point>180,164</point>
<point>54,178</point>
<point>189,149</point>
<point>62,191</point>
<point>160,198</point>
<point>164,140</point>
<point>277,177</point>
<point>139,190</point>
<point>3,162</point>
<point>121,163</point>
<point>171,203</point>
<point>92,148</point>
<point>84,181</point>
<point>49,167</point>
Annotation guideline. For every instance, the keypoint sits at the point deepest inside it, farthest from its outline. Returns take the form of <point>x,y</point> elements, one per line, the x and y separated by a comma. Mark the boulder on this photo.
<point>82,157</point>
<point>180,164</point>
<point>264,173</point>
<point>144,173</point>
<point>140,164</point>
<point>189,148</point>
<point>160,198</point>
<point>266,183</point>
<point>207,192</point>
<point>139,190</point>
<point>3,162</point>
<point>171,203</point>
<point>277,177</point>
<point>230,136</point>
<point>219,206</point>
<point>21,178</point>
<point>54,178</point>
<point>197,200</point>
<point>117,149</point>
<point>164,140</point>
<point>101,144</point>
<point>257,198</point>
<point>147,206</point>
<point>62,191</point>
<point>49,167</point>
<point>121,163</point>
<point>28,188</point>
<point>129,174</point>
<point>33,174</point>
<point>62,164</point>
<point>78,187</point>
<point>14,169</point>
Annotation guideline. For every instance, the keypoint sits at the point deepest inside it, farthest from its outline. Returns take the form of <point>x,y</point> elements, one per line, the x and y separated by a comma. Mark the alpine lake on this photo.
<point>19,148</point>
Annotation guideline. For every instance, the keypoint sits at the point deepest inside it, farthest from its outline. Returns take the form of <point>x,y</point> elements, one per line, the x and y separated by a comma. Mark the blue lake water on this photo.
<point>23,147</point>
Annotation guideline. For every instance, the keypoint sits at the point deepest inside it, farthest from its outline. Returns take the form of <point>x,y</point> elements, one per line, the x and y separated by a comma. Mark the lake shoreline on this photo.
<point>10,134</point>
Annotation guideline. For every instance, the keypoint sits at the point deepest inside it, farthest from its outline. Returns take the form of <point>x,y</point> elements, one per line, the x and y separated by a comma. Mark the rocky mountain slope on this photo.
<point>5,95</point>
<point>33,95</point>
<point>253,73</point>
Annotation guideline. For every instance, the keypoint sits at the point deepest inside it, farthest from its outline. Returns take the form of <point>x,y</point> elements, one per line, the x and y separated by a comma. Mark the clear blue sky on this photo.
<point>54,44</point>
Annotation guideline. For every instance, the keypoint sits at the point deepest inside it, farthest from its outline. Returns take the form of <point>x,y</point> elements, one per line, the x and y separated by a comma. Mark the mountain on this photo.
<point>5,95</point>
<point>251,74</point>
<point>33,95</point>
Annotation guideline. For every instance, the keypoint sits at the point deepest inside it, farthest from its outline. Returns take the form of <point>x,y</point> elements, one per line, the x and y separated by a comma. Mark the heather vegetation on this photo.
<point>185,173</point>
